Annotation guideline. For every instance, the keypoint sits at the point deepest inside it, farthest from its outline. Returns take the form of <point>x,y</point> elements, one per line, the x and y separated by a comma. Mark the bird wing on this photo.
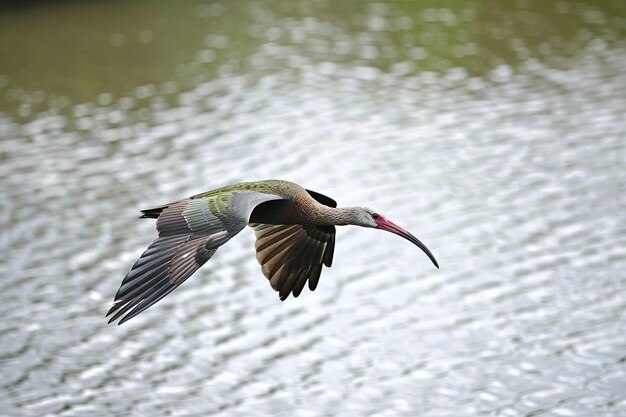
<point>322,199</point>
<point>291,254</point>
<point>190,231</point>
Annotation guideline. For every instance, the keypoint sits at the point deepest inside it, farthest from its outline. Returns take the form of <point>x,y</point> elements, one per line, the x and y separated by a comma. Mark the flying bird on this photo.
<point>295,237</point>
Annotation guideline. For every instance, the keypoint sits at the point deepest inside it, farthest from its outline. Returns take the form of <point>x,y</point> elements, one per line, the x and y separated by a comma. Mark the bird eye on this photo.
<point>374,216</point>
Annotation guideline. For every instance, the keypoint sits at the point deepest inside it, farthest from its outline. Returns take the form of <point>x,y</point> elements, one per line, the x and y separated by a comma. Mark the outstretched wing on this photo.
<point>292,254</point>
<point>190,231</point>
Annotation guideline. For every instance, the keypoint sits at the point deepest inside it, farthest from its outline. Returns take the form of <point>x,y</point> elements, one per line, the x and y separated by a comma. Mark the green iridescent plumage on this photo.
<point>277,187</point>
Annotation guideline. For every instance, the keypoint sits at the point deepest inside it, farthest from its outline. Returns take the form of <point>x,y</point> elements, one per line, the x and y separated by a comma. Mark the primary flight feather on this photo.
<point>295,237</point>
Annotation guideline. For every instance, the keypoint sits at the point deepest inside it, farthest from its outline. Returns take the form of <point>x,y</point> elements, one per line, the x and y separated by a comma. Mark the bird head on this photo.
<point>370,218</point>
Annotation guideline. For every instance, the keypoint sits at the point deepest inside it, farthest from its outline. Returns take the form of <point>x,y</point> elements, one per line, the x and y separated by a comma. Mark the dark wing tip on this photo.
<point>153,213</point>
<point>322,199</point>
<point>166,264</point>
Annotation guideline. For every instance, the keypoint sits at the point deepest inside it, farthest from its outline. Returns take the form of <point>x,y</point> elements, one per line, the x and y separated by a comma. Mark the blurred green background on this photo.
<point>78,50</point>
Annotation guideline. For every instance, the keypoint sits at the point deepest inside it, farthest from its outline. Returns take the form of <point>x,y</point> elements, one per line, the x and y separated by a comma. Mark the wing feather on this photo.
<point>328,254</point>
<point>165,273</point>
<point>171,221</point>
<point>298,264</point>
<point>190,231</point>
<point>275,237</point>
<point>314,276</point>
<point>288,282</point>
<point>290,255</point>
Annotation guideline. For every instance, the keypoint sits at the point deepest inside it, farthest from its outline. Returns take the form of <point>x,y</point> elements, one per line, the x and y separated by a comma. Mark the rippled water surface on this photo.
<point>496,134</point>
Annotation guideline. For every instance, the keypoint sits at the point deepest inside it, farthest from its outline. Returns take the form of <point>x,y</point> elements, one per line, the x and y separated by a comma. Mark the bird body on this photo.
<point>295,237</point>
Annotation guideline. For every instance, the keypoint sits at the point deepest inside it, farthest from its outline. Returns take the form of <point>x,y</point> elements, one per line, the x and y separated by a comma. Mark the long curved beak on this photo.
<point>386,224</point>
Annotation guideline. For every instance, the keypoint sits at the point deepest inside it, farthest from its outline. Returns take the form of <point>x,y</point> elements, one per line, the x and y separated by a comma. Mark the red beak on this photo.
<point>386,224</point>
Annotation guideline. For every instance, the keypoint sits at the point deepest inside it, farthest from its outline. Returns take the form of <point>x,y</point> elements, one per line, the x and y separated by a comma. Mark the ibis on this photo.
<point>295,237</point>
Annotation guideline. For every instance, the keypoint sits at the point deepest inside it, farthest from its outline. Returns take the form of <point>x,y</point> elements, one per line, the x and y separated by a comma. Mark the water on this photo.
<point>496,135</point>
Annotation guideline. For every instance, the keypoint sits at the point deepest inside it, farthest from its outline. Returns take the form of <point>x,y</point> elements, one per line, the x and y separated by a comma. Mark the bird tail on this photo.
<point>153,213</point>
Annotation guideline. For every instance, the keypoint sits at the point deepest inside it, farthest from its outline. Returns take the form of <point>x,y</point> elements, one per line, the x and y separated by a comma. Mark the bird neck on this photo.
<point>338,216</point>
